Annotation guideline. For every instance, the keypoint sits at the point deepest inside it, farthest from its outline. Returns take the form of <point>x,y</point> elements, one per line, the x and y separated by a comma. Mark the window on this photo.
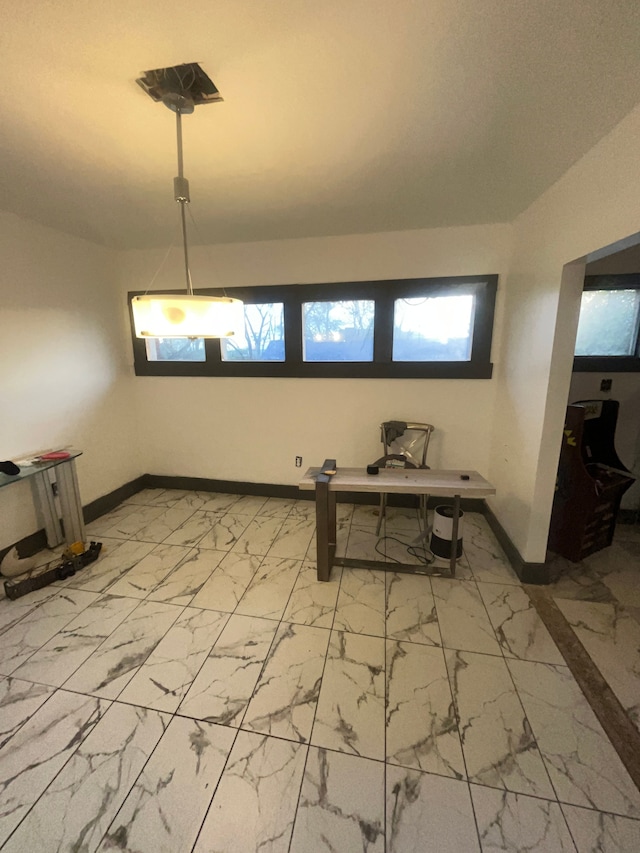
<point>433,328</point>
<point>175,349</point>
<point>607,336</point>
<point>404,328</point>
<point>262,338</point>
<point>338,331</point>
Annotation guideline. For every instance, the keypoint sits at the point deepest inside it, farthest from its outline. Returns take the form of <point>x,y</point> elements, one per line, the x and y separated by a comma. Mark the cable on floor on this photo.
<point>420,553</point>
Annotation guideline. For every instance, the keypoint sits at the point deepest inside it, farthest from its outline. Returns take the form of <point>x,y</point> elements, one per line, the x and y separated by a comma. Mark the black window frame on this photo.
<point>383,293</point>
<point>610,363</point>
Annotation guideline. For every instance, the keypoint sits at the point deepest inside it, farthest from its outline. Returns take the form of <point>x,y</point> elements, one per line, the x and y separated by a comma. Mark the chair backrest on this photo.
<point>407,438</point>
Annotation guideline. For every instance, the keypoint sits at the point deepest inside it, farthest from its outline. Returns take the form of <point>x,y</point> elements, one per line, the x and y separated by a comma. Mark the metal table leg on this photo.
<point>325,528</point>
<point>70,502</point>
<point>454,535</point>
<point>46,508</point>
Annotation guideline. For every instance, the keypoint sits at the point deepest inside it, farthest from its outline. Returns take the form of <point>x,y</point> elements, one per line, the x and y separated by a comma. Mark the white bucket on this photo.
<point>442,532</point>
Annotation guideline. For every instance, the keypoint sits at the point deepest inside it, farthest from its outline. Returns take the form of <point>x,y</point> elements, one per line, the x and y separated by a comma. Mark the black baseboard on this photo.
<point>527,572</point>
<point>533,573</point>
<point>230,487</point>
<point>108,502</point>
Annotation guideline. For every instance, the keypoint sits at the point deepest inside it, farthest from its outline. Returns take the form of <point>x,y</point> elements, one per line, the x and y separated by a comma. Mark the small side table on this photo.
<point>418,481</point>
<point>66,482</point>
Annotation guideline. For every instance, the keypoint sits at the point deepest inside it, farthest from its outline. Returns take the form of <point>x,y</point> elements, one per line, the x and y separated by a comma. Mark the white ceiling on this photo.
<point>341,116</point>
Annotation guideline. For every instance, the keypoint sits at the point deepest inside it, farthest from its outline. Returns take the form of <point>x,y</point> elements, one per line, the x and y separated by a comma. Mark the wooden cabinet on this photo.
<point>591,481</point>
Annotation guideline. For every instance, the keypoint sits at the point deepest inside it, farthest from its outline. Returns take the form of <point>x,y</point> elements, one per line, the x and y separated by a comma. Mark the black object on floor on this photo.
<point>68,567</point>
<point>9,468</point>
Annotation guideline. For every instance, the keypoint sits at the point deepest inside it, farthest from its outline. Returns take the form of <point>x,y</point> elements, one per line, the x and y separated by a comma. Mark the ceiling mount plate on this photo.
<point>186,84</point>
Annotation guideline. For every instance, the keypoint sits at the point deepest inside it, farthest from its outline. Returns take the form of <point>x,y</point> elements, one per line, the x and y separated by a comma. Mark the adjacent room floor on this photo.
<point>197,689</point>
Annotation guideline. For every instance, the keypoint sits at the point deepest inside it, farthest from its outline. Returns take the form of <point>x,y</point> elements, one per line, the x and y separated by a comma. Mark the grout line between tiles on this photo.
<point>173,715</point>
<point>239,728</point>
<point>386,709</point>
<point>180,562</point>
<point>229,615</point>
<point>306,759</point>
<point>525,718</point>
<point>454,702</point>
<point>179,607</point>
<point>177,714</point>
<point>133,536</point>
<point>564,816</point>
<point>517,695</point>
<point>280,621</point>
<point>266,657</point>
<point>622,733</point>
<point>475,816</point>
<point>184,696</point>
<point>308,748</point>
<point>71,756</point>
<point>215,791</point>
<point>40,647</point>
<point>543,757</point>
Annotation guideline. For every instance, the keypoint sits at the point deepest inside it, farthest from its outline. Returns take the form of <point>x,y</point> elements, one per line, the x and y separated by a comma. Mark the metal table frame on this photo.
<point>66,485</point>
<point>329,480</point>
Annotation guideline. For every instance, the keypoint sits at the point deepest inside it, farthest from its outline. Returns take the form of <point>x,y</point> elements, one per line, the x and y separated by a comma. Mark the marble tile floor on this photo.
<point>196,689</point>
<point>600,599</point>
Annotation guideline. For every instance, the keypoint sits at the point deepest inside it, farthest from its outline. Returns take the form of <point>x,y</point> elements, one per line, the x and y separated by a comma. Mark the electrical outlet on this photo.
<point>298,461</point>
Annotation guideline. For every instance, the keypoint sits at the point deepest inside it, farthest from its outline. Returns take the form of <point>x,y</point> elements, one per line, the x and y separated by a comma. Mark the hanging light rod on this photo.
<point>183,315</point>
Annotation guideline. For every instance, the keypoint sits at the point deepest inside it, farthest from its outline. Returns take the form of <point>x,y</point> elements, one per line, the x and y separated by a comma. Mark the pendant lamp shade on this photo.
<point>186,316</point>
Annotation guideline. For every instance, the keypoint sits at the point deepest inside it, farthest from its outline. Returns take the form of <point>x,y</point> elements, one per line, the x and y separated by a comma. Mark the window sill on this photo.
<point>322,370</point>
<point>606,364</point>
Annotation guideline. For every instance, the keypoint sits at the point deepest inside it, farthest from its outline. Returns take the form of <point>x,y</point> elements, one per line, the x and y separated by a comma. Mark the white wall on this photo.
<point>593,205</point>
<point>64,378</point>
<point>251,429</point>
<point>58,311</point>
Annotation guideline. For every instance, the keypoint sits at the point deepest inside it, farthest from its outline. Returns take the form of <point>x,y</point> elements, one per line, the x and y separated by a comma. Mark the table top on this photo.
<point>417,481</point>
<point>27,471</point>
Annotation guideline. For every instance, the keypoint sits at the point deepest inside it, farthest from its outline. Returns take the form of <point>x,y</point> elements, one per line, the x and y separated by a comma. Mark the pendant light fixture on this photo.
<point>183,315</point>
